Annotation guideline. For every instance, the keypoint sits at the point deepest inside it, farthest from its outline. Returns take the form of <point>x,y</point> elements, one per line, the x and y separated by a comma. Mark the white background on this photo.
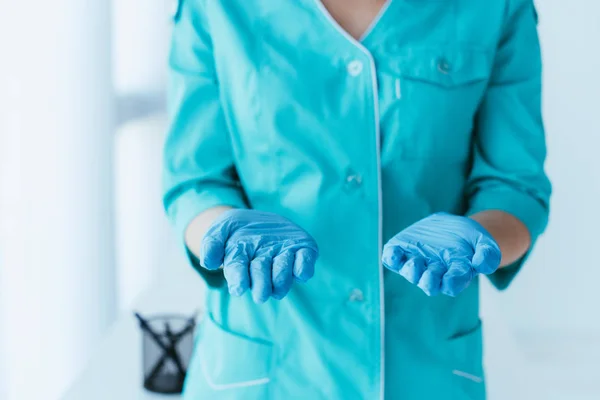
<point>59,293</point>
<point>558,290</point>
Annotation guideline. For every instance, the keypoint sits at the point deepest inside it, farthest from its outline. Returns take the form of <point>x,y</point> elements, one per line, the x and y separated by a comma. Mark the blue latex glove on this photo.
<point>442,253</point>
<point>259,250</point>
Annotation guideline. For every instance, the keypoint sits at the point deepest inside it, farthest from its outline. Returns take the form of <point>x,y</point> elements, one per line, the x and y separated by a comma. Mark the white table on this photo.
<point>115,370</point>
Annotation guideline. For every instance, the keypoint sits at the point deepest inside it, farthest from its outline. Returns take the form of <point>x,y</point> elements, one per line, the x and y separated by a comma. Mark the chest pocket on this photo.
<point>433,96</point>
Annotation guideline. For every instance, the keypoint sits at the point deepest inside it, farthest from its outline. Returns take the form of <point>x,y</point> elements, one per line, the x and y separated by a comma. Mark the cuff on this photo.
<point>531,212</point>
<point>192,203</point>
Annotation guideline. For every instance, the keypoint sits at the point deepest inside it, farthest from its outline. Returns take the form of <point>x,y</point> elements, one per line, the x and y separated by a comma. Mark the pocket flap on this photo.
<point>444,66</point>
<point>230,360</point>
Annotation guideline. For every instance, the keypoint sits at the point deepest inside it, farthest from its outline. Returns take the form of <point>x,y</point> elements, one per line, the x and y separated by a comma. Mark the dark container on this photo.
<point>167,345</point>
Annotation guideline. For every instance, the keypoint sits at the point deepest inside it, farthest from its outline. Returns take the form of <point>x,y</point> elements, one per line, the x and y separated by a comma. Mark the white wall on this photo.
<point>141,42</point>
<point>557,292</point>
<point>543,333</point>
<point>141,37</point>
<point>56,232</point>
<point>3,349</point>
<point>143,234</point>
<point>57,289</point>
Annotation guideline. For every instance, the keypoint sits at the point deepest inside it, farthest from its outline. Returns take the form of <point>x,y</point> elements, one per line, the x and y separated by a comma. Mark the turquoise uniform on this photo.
<point>275,107</point>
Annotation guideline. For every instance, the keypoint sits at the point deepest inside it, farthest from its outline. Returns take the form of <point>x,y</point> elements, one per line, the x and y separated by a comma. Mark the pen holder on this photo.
<point>167,344</point>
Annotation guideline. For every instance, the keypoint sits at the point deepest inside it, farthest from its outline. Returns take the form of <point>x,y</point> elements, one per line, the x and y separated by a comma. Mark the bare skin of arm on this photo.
<point>199,226</point>
<point>511,234</point>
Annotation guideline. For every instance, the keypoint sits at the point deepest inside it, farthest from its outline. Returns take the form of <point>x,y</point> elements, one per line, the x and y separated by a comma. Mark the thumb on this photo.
<point>212,249</point>
<point>487,257</point>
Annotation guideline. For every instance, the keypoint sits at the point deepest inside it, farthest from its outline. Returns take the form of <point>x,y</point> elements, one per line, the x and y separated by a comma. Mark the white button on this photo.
<point>355,67</point>
<point>444,66</point>
<point>354,180</point>
<point>356,295</point>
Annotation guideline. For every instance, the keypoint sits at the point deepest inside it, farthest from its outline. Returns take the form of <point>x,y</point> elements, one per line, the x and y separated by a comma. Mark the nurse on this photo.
<point>342,173</point>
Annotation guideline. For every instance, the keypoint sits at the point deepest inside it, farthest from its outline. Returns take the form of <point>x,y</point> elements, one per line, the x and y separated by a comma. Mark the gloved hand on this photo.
<point>259,250</point>
<point>442,253</point>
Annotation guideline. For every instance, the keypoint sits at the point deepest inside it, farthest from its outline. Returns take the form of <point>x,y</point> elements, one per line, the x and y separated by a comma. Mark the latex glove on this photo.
<point>259,250</point>
<point>442,253</point>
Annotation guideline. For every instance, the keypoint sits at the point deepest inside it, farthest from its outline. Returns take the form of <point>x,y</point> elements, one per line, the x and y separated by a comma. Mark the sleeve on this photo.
<point>198,165</point>
<point>509,143</point>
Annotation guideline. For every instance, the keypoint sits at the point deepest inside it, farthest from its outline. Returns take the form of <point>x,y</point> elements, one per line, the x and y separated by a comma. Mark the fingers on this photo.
<point>264,275</point>
<point>431,280</point>
<point>413,269</point>
<point>274,276</point>
<point>304,264</point>
<point>283,277</point>
<point>393,258</point>
<point>235,269</point>
<point>260,277</point>
<point>212,253</point>
<point>212,248</point>
<point>433,277</point>
<point>487,256</point>
<point>457,278</point>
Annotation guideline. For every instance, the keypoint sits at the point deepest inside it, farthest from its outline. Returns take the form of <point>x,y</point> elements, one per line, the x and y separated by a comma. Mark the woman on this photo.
<point>395,150</point>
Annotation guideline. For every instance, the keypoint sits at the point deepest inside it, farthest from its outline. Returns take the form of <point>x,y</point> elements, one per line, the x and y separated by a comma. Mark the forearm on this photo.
<point>511,234</point>
<point>199,226</point>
